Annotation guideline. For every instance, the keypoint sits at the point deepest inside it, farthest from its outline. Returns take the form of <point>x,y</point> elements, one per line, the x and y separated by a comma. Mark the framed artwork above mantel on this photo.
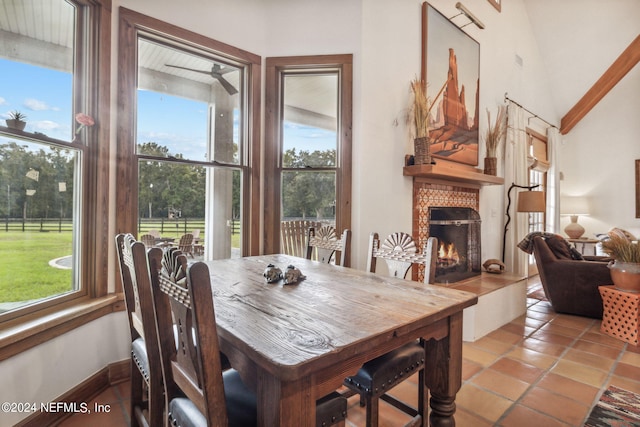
<point>451,70</point>
<point>497,4</point>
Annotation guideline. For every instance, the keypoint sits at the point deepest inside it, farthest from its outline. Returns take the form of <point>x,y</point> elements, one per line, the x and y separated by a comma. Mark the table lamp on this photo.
<point>573,207</point>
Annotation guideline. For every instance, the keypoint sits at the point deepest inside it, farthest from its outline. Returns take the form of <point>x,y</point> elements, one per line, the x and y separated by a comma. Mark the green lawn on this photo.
<point>25,273</point>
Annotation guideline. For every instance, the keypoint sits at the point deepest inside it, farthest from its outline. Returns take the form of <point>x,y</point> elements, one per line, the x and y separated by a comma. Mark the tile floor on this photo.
<point>542,369</point>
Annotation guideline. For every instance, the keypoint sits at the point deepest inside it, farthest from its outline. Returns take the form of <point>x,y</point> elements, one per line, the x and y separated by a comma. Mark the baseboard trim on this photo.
<point>91,387</point>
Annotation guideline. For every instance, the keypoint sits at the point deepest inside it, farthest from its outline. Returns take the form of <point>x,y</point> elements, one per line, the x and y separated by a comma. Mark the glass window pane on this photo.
<point>38,188</point>
<point>37,67</point>
<point>175,199</point>
<point>309,195</point>
<point>188,104</point>
<point>310,117</point>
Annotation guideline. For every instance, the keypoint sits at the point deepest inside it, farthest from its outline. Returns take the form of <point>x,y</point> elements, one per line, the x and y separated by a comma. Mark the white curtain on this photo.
<point>516,171</point>
<point>553,181</point>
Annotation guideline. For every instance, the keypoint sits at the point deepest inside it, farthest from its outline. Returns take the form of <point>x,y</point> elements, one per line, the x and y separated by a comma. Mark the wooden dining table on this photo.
<point>294,343</point>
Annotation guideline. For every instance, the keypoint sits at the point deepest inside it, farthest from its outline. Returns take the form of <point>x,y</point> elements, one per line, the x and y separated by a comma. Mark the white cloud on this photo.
<point>2,101</point>
<point>36,105</point>
<point>46,125</point>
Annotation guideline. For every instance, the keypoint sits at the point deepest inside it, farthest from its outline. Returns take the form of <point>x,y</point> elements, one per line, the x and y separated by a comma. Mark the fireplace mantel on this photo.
<point>450,172</point>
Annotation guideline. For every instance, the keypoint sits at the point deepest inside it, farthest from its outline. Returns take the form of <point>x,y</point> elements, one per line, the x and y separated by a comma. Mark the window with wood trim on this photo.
<point>55,72</point>
<point>307,143</point>
<point>186,139</point>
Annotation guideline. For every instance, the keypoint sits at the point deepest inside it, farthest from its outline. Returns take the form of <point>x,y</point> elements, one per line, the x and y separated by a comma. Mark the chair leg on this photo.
<point>156,404</point>
<point>137,394</point>
<point>423,397</point>
<point>373,404</point>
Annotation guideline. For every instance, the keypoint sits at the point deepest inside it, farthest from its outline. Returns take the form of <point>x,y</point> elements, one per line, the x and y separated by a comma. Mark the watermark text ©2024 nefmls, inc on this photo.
<point>68,407</point>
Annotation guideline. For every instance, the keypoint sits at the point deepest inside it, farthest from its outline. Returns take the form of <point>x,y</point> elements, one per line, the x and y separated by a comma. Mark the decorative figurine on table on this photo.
<point>293,275</point>
<point>272,273</point>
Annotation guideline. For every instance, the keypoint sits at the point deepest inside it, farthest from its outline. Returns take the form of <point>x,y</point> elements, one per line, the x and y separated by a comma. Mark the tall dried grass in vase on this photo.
<point>419,118</point>
<point>621,249</point>
<point>493,136</point>
<point>420,108</point>
<point>625,269</point>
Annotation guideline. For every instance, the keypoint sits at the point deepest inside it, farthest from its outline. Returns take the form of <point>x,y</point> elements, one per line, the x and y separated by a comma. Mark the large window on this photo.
<point>187,163</point>
<point>49,159</point>
<point>308,143</point>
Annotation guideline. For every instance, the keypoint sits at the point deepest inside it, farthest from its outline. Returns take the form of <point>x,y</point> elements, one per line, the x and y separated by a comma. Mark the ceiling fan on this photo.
<point>216,72</point>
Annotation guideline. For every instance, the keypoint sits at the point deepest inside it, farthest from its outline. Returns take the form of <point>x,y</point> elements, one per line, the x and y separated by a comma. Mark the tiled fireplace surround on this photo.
<point>428,194</point>
<point>501,297</point>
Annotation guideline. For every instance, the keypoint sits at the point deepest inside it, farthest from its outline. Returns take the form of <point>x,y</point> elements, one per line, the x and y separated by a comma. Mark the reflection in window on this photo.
<point>36,243</point>
<point>307,194</point>
<point>309,142</point>
<point>39,168</point>
<point>189,150</point>
<point>307,151</point>
<point>309,126</point>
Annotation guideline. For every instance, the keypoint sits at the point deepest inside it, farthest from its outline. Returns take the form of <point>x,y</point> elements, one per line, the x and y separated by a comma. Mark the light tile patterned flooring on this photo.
<point>542,369</point>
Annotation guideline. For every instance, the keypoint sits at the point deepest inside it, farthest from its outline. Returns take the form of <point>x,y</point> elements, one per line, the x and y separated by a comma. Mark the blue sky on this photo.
<point>44,96</point>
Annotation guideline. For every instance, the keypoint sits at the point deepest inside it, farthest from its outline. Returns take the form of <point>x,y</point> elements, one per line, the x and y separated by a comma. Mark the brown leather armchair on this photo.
<point>571,285</point>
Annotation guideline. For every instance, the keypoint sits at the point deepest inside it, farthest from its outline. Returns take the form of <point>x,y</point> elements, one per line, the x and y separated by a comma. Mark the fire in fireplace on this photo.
<point>447,254</point>
<point>458,234</point>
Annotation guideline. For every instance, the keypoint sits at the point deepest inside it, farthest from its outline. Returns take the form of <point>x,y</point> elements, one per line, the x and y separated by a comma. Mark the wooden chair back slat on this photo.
<point>293,236</point>
<point>185,244</point>
<point>148,240</point>
<point>136,282</point>
<point>399,252</point>
<point>182,294</point>
<point>323,245</point>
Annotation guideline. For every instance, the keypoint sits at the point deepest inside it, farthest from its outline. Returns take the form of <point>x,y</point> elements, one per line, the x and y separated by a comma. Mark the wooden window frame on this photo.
<point>28,327</point>
<point>132,24</point>
<point>275,68</point>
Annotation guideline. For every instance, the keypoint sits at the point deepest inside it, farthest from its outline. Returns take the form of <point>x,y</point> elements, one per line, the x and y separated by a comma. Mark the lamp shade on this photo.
<point>531,201</point>
<point>574,205</point>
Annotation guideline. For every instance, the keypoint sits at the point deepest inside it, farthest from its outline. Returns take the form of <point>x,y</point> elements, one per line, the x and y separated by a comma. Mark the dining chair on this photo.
<point>327,246</point>
<point>376,377</point>
<point>293,236</point>
<point>196,390</point>
<point>185,244</point>
<point>147,401</point>
<point>148,240</point>
<point>198,246</point>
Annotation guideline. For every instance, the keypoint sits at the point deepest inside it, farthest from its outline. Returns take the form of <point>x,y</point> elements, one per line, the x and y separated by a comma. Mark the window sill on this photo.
<point>29,331</point>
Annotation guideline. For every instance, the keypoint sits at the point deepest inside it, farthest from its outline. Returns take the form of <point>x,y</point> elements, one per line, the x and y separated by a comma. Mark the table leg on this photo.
<point>443,373</point>
<point>285,403</point>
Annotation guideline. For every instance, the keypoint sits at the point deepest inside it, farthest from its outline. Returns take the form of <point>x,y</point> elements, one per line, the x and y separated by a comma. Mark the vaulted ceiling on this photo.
<point>579,40</point>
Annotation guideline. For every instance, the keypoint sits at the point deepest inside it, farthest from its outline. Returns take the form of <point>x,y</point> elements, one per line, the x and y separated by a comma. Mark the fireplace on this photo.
<point>458,232</point>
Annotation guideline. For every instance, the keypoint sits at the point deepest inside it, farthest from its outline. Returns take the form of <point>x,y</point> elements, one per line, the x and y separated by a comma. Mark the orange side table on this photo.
<point>621,314</point>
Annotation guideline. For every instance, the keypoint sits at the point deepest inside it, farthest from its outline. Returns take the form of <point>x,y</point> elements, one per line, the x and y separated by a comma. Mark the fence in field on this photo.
<point>164,226</point>
<point>178,226</point>
<point>38,224</point>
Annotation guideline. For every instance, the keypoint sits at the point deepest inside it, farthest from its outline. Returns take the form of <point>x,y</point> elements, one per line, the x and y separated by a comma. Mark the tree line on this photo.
<point>39,183</point>
<point>36,183</point>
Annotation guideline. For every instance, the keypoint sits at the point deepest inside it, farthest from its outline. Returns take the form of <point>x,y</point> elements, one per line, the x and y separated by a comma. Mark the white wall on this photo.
<point>43,373</point>
<point>581,39</point>
<point>391,38</point>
